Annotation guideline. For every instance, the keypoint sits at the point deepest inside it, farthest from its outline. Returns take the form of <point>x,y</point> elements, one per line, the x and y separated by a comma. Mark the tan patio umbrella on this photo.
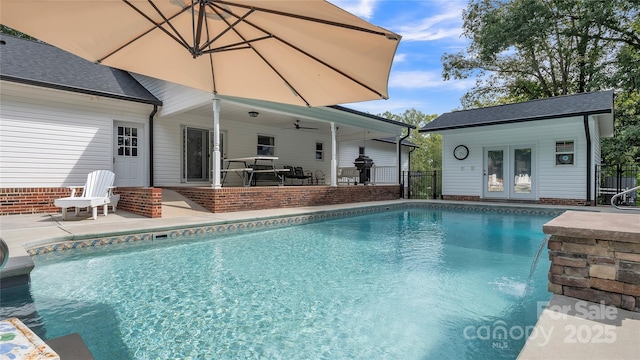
<point>303,52</point>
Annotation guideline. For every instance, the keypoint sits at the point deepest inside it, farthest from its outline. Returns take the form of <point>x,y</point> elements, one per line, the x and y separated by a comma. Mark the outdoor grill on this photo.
<point>364,163</point>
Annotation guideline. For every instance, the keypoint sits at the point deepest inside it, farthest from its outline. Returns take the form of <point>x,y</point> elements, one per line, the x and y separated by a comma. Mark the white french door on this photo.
<point>509,172</point>
<point>496,181</point>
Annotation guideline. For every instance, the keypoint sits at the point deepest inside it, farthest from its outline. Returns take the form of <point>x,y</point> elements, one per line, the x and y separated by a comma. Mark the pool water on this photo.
<point>406,284</point>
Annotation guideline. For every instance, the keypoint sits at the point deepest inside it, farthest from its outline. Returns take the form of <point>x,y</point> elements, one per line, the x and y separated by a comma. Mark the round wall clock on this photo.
<point>461,152</point>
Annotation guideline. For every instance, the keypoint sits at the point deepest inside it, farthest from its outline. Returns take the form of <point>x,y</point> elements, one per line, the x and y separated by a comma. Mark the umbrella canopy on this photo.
<point>307,52</point>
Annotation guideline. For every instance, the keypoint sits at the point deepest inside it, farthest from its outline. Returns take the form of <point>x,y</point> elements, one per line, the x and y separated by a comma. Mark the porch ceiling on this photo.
<point>283,117</point>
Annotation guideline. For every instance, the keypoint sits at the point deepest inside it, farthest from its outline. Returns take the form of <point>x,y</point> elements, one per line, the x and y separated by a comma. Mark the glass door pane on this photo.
<point>522,165</point>
<point>495,171</point>
<point>196,154</point>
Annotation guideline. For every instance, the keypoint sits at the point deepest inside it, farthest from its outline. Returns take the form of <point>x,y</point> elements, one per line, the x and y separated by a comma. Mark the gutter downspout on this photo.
<point>153,113</point>
<point>400,159</point>
<point>587,134</point>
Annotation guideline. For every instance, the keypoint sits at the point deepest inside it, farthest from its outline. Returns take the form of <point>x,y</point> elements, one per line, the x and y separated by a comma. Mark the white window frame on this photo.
<point>572,152</point>
<point>321,151</point>
<point>258,145</point>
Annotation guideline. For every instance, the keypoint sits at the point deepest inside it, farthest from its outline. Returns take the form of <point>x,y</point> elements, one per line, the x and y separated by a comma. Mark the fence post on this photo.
<point>434,184</point>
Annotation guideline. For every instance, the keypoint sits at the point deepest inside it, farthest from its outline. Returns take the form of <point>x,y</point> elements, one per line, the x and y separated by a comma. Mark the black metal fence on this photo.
<point>614,179</point>
<point>422,184</point>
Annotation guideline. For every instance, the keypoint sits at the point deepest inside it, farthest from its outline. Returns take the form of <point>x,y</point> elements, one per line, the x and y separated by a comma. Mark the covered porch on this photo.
<point>201,140</point>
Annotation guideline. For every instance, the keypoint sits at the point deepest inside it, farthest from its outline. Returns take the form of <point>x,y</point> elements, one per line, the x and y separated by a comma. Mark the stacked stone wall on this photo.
<point>596,264</point>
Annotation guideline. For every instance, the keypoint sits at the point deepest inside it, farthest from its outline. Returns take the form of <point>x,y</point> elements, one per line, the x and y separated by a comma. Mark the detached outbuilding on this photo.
<point>542,151</point>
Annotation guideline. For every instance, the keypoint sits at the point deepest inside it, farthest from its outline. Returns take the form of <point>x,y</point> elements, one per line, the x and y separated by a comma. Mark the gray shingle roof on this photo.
<point>36,63</point>
<point>543,109</point>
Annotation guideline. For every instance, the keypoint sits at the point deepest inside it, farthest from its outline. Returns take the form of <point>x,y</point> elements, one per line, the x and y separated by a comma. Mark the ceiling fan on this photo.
<point>298,126</point>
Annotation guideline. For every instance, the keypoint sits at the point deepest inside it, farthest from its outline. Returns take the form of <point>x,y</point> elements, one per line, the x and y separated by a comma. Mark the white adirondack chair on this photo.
<point>98,191</point>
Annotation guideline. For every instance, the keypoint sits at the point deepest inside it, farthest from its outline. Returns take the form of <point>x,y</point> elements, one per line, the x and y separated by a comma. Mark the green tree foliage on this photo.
<point>9,31</point>
<point>530,49</point>
<point>428,156</point>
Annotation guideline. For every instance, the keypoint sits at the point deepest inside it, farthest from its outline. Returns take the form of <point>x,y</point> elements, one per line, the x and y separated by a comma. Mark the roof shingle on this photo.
<point>542,109</point>
<point>40,64</point>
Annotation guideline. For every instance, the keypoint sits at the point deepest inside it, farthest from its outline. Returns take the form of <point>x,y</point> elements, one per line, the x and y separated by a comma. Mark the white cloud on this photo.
<point>444,22</point>
<point>399,58</point>
<point>426,79</point>
<point>362,8</point>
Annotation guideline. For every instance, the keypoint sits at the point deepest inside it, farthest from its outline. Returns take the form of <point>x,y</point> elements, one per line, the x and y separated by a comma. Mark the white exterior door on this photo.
<point>522,169</point>
<point>128,154</point>
<point>509,172</point>
<point>496,178</point>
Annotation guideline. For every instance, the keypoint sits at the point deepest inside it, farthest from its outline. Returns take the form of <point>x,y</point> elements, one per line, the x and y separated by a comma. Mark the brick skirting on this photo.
<point>143,201</point>
<point>16,201</point>
<point>275,197</point>
<point>565,202</point>
<point>461,197</point>
<point>148,201</point>
<point>545,201</point>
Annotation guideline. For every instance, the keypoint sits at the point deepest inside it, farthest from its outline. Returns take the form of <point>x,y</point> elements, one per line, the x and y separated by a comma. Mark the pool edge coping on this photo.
<point>77,241</point>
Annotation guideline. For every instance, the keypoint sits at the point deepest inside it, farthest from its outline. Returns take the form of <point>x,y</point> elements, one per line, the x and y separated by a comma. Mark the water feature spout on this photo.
<point>536,258</point>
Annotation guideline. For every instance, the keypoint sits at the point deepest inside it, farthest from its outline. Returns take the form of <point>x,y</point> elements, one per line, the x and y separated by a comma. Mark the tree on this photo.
<point>428,156</point>
<point>9,31</point>
<point>530,49</point>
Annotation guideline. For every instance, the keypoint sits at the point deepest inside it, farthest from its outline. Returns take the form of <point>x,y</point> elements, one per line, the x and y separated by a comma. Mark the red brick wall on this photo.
<point>546,201</point>
<point>15,201</point>
<point>461,197</point>
<point>142,201</point>
<point>274,197</point>
<point>571,202</point>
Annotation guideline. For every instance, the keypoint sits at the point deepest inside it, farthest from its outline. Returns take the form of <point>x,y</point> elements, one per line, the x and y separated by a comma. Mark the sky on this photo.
<point>429,28</point>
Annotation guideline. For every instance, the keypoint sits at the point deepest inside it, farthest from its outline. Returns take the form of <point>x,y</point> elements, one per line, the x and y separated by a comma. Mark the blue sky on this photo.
<point>429,28</point>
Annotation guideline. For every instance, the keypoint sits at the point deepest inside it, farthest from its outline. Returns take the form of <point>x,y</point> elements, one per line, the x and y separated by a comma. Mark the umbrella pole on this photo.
<point>215,179</point>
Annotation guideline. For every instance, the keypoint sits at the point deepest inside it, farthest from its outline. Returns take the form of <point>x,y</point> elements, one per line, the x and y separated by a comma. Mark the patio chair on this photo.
<point>303,175</point>
<point>98,191</point>
<point>319,177</point>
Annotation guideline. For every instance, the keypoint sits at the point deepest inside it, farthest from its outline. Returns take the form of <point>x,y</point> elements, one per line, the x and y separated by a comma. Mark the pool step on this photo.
<point>70,347</point>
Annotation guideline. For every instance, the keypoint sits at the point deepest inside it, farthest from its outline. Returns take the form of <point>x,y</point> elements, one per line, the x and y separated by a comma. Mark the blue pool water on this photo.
<point>406,284</point>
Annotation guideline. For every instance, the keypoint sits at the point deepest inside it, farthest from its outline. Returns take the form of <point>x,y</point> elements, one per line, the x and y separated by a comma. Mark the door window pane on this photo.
<point>522,168</point>
<point>495,170</point>
<point>195,153</point>
<point>127,141</point>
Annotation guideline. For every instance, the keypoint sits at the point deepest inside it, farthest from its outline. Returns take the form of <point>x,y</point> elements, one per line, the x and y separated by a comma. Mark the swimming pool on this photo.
<point>402,284</point>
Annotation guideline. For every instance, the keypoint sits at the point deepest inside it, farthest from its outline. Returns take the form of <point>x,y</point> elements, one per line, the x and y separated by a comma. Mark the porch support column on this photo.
<point>215,178</point>
<point>334,162</point>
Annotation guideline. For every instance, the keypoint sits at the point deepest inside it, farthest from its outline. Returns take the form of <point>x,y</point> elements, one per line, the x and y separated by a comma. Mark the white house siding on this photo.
<point>51,138</point>
<point>382,153</point>
<point>175,98</point>
<point>293,147</point>
<point>464,177</point>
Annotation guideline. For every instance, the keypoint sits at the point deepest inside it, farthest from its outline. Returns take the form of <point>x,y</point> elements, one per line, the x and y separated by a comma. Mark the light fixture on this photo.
<point>253,113</point>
